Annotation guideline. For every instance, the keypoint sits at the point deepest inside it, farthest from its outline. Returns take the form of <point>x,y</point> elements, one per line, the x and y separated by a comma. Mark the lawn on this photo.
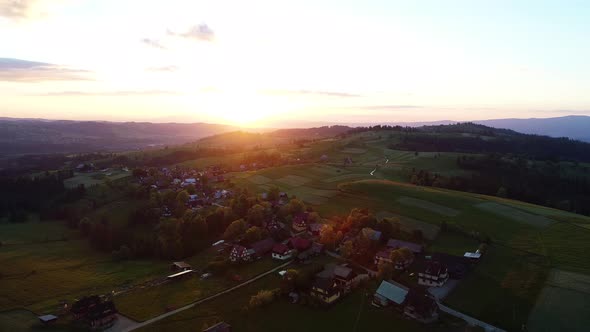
<point>43,263</point>
<point>563,305</point>
<point>159,299</point>
<point>502,289</point>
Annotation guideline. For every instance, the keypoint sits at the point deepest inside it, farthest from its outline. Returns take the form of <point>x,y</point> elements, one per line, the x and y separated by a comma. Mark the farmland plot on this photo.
<point>563,305</point>
<point>432,207</point>
<point>515,214</point>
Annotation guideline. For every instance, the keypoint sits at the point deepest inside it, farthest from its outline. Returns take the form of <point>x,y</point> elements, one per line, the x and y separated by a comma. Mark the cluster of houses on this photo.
<point>92,312</point>
<point>298,248</point>
<point>178,179</point>
<point>412,302</point>
<point>335,281</point>
<point>432,270</point>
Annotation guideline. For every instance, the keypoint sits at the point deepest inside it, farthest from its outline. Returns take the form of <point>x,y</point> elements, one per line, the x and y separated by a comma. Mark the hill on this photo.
<point>572,126</point>
<point>29,136</point>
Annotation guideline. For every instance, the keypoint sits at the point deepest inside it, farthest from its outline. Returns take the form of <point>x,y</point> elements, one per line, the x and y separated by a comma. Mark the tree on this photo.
<point>386,229</point>
<point>193,234</point>
<point>295,206</point>
<point>256,215</point>
<point>139,173</point>
<point>328,236</point>
<point>191,189</point>
<point>85,225</point>
<point>235,229</point>
<point>253,234</point>
<point>182,197</point>
<point>262,298</point>
<point>170,245</point>
<point>273,194</point>
<point>385,271</point>
<point>347,249</point>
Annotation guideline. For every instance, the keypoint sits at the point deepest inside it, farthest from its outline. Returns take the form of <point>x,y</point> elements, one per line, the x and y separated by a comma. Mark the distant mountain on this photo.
<point>29,136</point>
<point>573,126</point>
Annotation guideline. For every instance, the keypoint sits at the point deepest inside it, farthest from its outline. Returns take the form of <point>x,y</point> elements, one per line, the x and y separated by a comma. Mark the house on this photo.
<point>188,182</point>
<point>385,256</point>
<point>371,234</point>
<point>473,255</point>
<point>390,293</point>
<point>81,307</point>
<point>240,254</point>
<point>219,327</point>
<point>457,266</point>
<point>282,252</point>
<point>317,249</point>
<point>315,229</point>
<point>421,306</point>
<point>262,247</point>
<point>433,274</point>
<point>343,275</point>
<point>300,222</point>
<point>300,244</point>
<point>102,315</point>
<point>179,266</point>
<point>96,311</point>
<point>398,244</point>
<point>326,290</point>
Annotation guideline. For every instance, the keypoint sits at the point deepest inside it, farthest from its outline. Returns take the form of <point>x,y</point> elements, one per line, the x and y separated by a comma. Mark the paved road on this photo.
<point>125,324</point>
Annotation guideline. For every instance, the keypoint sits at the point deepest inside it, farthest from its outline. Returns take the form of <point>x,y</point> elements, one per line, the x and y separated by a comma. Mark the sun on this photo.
<point>243,109</point>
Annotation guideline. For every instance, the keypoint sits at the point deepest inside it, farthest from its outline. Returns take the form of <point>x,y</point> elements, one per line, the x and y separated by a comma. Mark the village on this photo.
<point>410,280</point>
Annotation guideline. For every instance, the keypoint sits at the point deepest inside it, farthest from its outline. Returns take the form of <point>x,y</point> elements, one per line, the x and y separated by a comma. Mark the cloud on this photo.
<point>388,107</point>
<point>312,93</point>
<point>17,70</point>
<point>163,69</point>
<point>200,32</point>
<point>116,93</point>
<point>16,8</point>
<point>153,43</point>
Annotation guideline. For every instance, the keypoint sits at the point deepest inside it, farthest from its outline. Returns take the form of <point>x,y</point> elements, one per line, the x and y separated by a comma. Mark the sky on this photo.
<point>263,63</point>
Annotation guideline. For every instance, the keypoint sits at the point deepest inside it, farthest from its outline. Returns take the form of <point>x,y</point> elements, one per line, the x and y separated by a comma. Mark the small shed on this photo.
<point>180,266</point>
<point>47,319</point>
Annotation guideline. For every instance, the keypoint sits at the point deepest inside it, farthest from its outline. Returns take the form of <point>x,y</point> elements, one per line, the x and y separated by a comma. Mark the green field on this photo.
<point>564,303</point>
<point>43,263</point>
<point>95,178</point>
<point>172,295</point>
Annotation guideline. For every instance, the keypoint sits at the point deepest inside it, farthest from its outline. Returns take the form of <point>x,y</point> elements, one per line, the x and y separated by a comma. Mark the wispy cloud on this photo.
<point>201,32</point>
<point>16,8</point>
<point>153,43</point>
<point>120,93</point>
<point>163,69</point>
<point>388,107</point>
<point>312,93</point>
<point>17,70</point>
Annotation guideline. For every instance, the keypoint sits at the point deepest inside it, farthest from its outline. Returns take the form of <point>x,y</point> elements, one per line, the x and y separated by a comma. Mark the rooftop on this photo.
<point>393,291</point>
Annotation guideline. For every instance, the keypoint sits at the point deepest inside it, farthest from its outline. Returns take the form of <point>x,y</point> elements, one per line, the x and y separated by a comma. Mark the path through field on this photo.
<point>125,324</point>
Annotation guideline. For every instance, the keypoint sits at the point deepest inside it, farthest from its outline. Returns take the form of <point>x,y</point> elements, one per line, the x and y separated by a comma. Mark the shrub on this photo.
<point>264,297</point>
